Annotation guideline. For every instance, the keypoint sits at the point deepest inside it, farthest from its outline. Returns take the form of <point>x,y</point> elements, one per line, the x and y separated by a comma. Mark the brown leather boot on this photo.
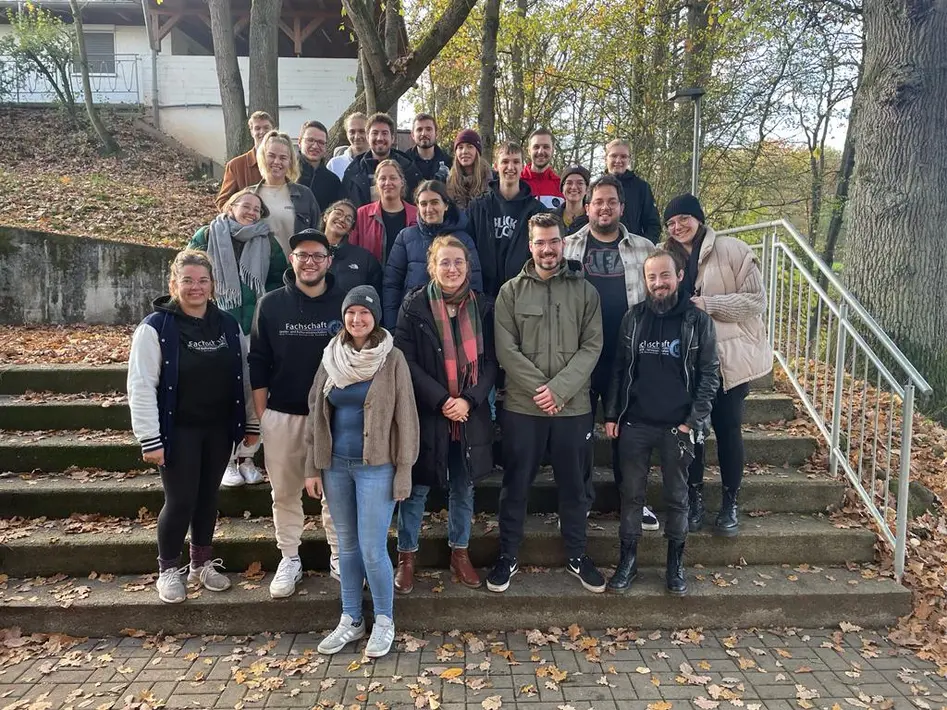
<point>404,575</point>
<point>461,567</point>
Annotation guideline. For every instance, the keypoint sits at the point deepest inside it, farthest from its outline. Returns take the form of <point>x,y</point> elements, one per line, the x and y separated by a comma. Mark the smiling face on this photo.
<point>259,127</point>
<point>617,159</point>
<point>540,151</point>
<point>246,210</point>
<point>339,221</point>
<point>312,144</point>
<point>574,188</point>
<point>450,268</point>
<point>424,133</point>
<point>465,155</point>
<point>683,228</point>
<point>431,207</point>
<point>193,287</point>
<point>277,159</point>
<point>661,279</point>
<point>359,323</point>
<point>389,183</point>
<point>379,138</point>
<point>604,209</point>
<point>357,134</point>
<point>545,246</point>
<point>311,262</point>
<point>509,167</point>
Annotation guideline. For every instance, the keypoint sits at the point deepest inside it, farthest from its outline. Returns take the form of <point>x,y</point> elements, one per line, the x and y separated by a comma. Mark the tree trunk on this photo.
<point>394,27</point>
<point>264,56</point>
<point>896,258</point>
<point>232,98</point>
<point>109,145</point>
<point>486,110</point>
<point>390,86</point>
<point>371,104</point>
<point>518,99</point>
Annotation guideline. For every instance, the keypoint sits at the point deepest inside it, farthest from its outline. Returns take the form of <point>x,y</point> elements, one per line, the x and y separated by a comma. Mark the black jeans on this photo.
<point>594,396</point>
<point>635,443</point>
<point>525,440</point>
<point>727,420</point>
<point>190,485</point>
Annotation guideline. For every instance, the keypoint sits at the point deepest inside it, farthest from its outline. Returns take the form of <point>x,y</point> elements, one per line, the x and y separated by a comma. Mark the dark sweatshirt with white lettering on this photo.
<point>290,333</point>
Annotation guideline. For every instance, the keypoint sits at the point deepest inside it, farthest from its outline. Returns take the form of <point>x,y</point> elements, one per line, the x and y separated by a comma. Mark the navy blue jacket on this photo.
<point>406,267</point>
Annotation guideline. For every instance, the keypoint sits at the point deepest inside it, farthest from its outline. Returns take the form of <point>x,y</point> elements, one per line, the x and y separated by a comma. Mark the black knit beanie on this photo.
<point>575,170</point>
<point>684,204</point>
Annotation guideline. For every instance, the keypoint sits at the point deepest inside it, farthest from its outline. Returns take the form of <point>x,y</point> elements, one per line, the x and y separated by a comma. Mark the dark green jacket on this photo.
<point>274,279</point>
<point>548,333</point>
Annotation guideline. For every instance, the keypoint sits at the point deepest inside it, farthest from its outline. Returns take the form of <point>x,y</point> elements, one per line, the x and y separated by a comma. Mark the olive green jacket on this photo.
<point>548,333</point>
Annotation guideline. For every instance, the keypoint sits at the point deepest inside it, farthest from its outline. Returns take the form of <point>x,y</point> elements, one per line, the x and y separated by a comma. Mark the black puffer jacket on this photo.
<point>641,213</point>
<point>416,336</point>
<point>701,366</point>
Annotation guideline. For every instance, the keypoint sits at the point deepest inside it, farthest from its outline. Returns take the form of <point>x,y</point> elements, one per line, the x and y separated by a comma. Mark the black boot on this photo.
<point>695,507</point>
<point>676,583</point>
<point>727,523</point>
<point>627,569</point>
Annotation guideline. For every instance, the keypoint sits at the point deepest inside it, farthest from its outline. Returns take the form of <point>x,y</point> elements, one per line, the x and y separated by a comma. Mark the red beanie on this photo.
<point>469,135</point>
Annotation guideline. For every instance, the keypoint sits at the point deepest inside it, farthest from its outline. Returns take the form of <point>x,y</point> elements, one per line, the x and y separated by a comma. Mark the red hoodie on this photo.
<point>544,186</point>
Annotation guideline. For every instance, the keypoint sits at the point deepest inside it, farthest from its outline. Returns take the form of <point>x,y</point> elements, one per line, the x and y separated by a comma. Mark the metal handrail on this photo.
<point>811,326</point>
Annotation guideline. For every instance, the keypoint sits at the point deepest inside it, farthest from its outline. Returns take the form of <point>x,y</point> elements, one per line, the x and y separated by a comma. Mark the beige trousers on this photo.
<point>285,459</point>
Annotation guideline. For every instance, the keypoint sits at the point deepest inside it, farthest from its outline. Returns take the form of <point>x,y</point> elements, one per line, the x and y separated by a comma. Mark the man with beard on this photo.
<point>641,213</point>
<point>548,339</point>
<point>427,156</point>
<point>612,258</point>
<point>539,175</point>
<point>499,220</point>
<point>358,185</point>
<point>291,329</point>
<point>323,183</point>
<point>663,384</point>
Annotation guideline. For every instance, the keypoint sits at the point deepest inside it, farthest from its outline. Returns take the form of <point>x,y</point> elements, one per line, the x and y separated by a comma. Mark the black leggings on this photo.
<point>727,420</point>
<point>200,456</point>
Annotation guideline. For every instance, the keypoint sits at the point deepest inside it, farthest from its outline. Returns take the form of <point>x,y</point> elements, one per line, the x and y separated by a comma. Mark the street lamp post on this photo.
<point>694,93</point>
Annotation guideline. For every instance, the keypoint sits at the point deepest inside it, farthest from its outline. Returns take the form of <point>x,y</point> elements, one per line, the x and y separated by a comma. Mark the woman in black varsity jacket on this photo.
<point>190,401</point>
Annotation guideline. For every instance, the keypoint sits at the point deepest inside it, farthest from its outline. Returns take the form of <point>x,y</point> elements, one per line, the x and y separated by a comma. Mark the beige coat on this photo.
<point>391,424</point>
<point>731,285</point>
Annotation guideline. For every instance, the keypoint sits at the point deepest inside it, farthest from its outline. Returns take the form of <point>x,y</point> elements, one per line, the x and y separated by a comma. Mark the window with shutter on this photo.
<point>100,50</point>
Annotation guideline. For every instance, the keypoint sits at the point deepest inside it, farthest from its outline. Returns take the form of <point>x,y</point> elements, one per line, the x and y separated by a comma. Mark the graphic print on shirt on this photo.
<point>320,329</point>
<point>207,346</point>
<point>503,227</point>
<point>604,263</point>
<point>666,348</point>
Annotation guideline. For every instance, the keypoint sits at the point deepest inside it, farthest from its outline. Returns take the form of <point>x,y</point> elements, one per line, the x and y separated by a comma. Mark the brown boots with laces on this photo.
<point>460,566</point>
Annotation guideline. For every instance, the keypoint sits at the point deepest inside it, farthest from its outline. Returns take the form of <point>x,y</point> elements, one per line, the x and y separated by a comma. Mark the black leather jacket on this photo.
<point>701,366</point>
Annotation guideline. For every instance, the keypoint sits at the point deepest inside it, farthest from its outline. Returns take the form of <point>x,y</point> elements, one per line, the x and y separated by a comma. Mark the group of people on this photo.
<point>372,316</point>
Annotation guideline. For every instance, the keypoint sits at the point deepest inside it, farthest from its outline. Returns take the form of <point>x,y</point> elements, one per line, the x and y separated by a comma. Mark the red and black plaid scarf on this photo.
<point>460,359</point>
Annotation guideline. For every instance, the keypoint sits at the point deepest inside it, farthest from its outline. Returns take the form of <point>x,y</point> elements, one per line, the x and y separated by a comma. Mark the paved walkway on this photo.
<point>560,669</point>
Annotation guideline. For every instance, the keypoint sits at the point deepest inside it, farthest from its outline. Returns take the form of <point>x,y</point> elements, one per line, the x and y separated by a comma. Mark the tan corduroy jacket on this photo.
<point>391,424</point>
<point>731,284</point>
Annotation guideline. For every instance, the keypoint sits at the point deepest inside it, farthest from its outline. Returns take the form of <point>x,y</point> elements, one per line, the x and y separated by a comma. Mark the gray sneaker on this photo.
<point>383,635</point>
<point>208,577</point>
<point>170,586</point>
<point>346,632</point>
<point>289,572</point>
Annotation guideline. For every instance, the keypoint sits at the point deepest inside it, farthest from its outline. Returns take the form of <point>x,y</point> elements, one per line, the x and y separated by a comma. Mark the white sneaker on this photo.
<point>649,520</point>
<point>344,634</point>
<point>289,572</point>
<point>232,477</point>
<point>250,473</point>
<point>170,586</point>
<point>334,571</point>
<point>208,577</point>
<point>383,635</point>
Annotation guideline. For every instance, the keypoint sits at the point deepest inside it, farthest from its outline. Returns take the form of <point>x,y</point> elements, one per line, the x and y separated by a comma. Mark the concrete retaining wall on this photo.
<point>54,278</point>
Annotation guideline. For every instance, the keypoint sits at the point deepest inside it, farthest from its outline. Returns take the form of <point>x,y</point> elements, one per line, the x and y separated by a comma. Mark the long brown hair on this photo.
<point>463,188</point>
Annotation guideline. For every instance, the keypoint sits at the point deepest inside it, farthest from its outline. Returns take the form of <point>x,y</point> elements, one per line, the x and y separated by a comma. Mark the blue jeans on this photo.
<point>362,506</point>
<point>460,506</point>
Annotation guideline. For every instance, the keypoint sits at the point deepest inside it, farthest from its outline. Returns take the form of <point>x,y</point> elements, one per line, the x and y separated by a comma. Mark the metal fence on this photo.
<point>854,382</point>
<point>114,79</point>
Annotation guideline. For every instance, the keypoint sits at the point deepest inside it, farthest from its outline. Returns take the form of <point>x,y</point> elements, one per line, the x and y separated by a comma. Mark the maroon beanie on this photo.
<point>469,135</point>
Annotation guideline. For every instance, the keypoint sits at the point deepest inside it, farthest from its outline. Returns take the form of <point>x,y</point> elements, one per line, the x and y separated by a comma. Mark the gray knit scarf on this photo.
<point>254,259</point>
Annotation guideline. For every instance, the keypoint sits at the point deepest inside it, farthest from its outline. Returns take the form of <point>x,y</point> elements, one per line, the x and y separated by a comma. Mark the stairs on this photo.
<point>75,500</point>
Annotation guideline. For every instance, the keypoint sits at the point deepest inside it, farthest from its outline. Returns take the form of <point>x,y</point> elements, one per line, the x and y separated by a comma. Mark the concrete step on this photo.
<point>765,596</point>
<point>58,496</point>
<point>111,450</point>
<point>17,379</point>
<point>94,412</point>
<point>129,547</point>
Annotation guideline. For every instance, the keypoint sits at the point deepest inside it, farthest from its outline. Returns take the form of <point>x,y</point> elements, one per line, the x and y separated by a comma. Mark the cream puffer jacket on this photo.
<point>730,283</point>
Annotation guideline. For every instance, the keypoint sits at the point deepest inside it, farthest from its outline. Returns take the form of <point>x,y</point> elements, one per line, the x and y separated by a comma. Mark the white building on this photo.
<point>173,69</point>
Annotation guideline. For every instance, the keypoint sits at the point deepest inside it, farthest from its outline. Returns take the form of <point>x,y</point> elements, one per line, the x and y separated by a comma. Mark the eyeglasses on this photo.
<point>305,258</point>
<point>347,218</point>
<point>446,264</point>
<point>312,141</point>
<point>542,244</point>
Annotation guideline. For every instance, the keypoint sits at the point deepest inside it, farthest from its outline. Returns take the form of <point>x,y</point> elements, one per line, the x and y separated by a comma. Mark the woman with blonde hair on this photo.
<point>362,440</point>
<point>379,222</point>
<point>470,175</point>
<point>722,277</point>
<point>292,206</point>
<point>445,331</point>
<point>190,402</point>
<point>247,262</point>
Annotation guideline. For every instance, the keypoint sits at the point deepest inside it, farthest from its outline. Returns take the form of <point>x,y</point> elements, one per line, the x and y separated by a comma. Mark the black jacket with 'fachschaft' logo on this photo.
<point>290,333</point>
